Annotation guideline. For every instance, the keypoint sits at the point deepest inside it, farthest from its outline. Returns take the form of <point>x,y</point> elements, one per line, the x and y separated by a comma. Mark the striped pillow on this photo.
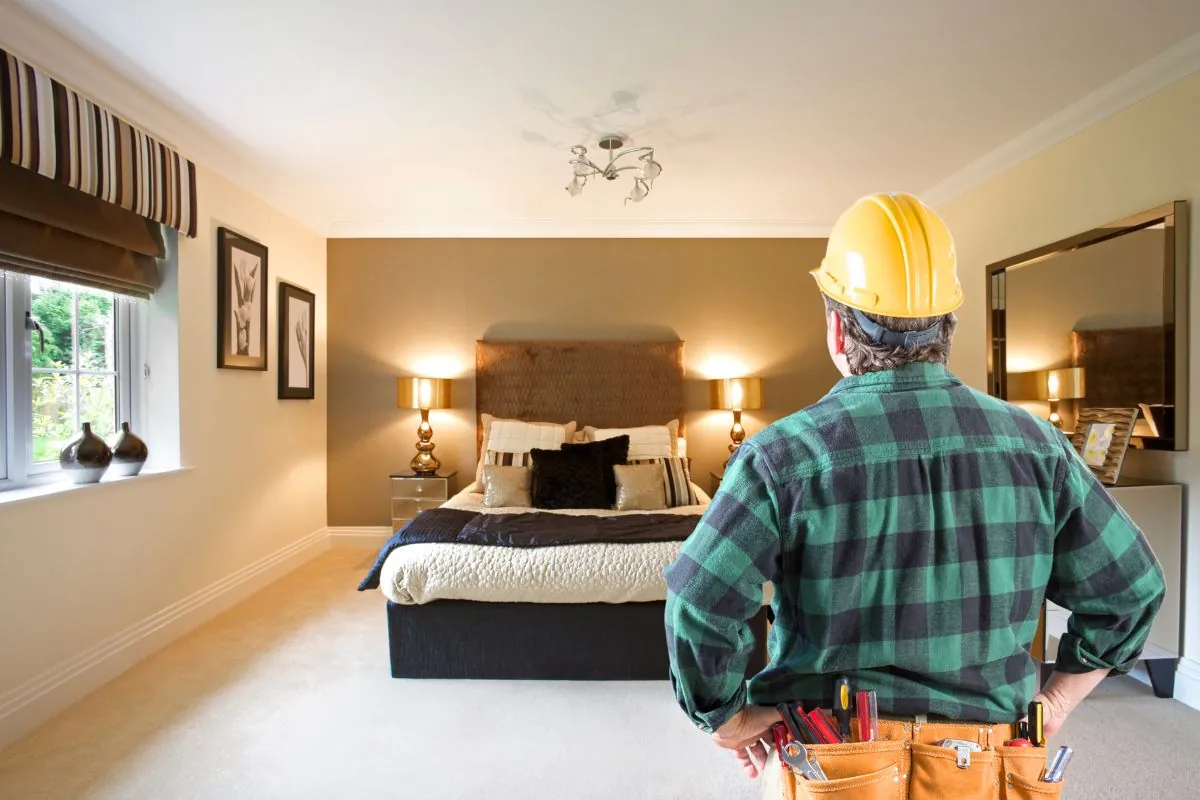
<point>677,480</point>
<point>508,459</point>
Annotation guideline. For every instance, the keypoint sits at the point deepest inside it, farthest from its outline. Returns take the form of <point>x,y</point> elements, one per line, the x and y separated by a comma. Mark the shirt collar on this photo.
<point>919,375</point>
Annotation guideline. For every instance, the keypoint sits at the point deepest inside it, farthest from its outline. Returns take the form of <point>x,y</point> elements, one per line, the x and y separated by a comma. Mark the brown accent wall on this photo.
<point>416,306</point>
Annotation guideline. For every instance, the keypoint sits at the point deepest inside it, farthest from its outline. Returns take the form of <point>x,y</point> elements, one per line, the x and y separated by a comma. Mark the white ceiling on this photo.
<point>454,117</point>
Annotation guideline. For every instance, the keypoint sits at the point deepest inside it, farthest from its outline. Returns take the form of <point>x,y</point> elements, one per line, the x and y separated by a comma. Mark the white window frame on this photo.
<point>16,380</point>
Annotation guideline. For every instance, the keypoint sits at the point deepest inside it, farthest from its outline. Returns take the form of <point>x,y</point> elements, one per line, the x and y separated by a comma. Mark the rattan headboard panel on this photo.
<point>605,384</point>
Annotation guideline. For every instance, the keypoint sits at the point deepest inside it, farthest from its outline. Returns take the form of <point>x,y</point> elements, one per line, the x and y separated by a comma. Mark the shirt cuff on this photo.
<point>709,721</point>
<point>1074,658</point>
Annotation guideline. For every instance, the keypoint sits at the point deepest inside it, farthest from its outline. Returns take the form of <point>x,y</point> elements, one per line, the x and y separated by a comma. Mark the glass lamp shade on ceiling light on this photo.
<point>639,191</point>
<point>575,187</point>
<point>651,169</point>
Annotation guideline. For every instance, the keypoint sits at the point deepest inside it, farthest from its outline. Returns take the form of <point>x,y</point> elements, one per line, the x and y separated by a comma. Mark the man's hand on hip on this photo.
<point>742,734</point>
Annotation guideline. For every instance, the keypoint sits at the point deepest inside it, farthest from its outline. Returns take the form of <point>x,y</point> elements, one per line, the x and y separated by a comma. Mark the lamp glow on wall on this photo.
<point>424,394</point>
<point>736,395</point>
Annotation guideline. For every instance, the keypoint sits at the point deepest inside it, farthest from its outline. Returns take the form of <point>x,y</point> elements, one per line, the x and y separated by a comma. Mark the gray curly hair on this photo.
<point>864,356</point>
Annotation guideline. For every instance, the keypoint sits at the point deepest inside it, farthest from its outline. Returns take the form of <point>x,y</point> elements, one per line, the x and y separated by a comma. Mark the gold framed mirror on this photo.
<point>1098,320</point>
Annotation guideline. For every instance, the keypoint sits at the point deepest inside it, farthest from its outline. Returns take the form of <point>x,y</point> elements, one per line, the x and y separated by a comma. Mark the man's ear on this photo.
<point>839,335</point>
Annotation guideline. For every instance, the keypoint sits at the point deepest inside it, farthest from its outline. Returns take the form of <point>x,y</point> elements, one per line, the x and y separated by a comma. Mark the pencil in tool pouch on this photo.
<point>824,727</point>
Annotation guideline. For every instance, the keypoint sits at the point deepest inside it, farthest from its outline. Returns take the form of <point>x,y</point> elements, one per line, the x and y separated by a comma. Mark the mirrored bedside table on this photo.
<point>412,494</point>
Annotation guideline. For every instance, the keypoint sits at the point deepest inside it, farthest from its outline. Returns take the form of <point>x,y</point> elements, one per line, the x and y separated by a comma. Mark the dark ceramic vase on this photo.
<point>129,453</point>
<point>86,458</point>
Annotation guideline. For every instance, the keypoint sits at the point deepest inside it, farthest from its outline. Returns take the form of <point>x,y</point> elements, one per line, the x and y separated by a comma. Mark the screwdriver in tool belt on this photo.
<point>1037,734</point>
<point>841,706</point>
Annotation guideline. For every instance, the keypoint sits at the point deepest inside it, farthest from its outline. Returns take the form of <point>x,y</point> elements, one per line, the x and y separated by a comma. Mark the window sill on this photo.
<point>54,488</point>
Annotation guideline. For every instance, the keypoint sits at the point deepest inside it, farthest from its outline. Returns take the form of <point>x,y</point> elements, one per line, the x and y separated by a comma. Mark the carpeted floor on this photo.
<point>288,696</point>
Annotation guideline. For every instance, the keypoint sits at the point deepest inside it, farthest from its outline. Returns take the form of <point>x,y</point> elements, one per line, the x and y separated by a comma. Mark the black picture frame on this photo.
<point>241,302</point>
<point>297,329</point>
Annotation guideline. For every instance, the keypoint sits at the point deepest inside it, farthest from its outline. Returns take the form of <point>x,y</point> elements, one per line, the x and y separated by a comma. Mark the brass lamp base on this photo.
<point>425,462</point>
<point>737,433</point>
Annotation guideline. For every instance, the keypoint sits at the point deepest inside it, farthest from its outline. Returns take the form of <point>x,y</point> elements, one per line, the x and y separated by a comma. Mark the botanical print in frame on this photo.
<point>297,351</point>
<point>241,302</point>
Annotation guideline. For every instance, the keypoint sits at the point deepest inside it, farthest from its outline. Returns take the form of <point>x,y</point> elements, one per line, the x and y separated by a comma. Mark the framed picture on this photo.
<point>241,302</point>
<point>1102,437</point>
<point>297,323</point>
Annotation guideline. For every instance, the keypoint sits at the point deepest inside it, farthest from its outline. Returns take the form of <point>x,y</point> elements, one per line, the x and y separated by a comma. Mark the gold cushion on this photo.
<point>640,487</point>
<point>506,486</point>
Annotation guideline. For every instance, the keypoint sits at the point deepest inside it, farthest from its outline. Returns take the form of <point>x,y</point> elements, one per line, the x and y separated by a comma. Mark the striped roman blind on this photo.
<point>52,130</point>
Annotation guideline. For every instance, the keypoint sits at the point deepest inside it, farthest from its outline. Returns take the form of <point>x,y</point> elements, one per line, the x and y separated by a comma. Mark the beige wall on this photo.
<point>80,566</point>
<point>417,306</point>
<point>1114,284</point>
<point>1142,157</point>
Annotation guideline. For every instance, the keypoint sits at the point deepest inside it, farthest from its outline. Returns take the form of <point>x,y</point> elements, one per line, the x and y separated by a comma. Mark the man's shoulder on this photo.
<point>800,436</point>
<point>827,426</point>
<point>1006,419</point>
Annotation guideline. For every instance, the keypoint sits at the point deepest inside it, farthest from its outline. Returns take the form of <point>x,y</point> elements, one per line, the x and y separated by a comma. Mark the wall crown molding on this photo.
<point>1170,66</point>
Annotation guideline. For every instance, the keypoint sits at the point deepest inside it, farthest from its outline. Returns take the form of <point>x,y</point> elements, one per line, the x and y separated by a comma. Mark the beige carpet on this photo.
<point>288,696</point>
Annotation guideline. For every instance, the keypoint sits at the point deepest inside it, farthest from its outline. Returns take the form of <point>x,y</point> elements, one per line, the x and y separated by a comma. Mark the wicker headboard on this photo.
<point>605,384</point>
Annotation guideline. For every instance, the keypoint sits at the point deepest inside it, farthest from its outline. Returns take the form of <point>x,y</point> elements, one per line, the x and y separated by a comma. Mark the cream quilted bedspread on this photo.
<point>583,573</point>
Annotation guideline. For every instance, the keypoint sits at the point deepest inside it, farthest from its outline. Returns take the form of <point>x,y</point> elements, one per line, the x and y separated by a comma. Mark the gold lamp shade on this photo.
<point>423,393</point>
<point>737,394</point>
<point>1064,384</point>
<point>1047,384</point>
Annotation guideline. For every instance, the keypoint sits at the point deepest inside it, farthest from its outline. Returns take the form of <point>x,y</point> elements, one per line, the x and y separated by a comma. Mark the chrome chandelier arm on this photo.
<point>644,149</point>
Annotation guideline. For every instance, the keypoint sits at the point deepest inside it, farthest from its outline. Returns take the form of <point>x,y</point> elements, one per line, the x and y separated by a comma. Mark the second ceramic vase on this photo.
<point>129,453</point>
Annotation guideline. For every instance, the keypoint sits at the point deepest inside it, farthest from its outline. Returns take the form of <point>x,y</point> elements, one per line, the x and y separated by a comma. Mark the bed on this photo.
<point>591,611</point>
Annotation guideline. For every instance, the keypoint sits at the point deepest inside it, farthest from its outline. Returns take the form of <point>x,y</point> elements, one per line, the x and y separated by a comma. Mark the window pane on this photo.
<point>96,329</point>
<point>53,414</point>
<point>98,403</point>
<point>52,304</point>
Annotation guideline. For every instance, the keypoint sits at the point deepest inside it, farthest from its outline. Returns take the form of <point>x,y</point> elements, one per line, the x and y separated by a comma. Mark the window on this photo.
<point>68,353</point>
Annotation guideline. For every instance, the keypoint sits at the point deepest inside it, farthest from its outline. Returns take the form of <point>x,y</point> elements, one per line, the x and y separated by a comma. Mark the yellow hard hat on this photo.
<point>891,255</point>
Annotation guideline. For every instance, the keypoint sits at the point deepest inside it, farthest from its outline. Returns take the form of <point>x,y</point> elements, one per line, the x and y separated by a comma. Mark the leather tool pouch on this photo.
<point>909,767</point>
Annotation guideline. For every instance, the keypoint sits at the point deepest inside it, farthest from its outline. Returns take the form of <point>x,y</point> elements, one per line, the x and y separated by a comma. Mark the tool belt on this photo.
<point>905,764</point>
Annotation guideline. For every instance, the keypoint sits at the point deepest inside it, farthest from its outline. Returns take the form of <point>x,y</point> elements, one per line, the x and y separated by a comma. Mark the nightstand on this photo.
<point>715,481</point>
<point>412,494</point>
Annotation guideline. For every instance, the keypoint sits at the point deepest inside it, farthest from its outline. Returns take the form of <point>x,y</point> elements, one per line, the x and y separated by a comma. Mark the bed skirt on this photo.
<point>536,641</point>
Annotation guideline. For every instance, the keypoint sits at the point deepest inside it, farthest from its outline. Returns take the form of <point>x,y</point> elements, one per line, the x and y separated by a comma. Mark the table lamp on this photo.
<point>424,394</point>
<point>1063,384</point>
<point>736,395</point>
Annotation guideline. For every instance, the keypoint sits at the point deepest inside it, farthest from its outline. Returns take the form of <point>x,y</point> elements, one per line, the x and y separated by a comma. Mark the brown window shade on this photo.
<point>53,231</point>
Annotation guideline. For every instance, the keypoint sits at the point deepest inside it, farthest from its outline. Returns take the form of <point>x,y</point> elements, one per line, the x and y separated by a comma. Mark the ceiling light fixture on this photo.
<point>644,173</point>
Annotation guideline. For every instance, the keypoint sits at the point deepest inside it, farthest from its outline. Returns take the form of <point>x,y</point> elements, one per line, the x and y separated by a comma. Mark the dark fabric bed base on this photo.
<point>534,641</point>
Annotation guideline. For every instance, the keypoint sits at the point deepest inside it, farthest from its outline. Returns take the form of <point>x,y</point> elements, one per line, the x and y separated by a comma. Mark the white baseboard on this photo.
<point>37,700</point>
<point>367,537</point>
<point>1187,682</point>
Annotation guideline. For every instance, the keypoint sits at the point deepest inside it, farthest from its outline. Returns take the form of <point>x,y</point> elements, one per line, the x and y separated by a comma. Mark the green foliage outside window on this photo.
<point>54,396</point>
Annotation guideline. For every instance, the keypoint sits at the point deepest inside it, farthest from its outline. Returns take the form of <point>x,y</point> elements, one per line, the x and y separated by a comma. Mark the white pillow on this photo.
<point>648,441</point>
<point>515,436</point>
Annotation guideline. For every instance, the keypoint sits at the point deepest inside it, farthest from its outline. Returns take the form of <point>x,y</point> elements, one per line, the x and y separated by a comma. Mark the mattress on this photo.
<point>585,573</point>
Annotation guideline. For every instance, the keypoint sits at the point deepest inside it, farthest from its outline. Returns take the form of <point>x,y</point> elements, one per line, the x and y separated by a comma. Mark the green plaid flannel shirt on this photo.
<point>911,527</point>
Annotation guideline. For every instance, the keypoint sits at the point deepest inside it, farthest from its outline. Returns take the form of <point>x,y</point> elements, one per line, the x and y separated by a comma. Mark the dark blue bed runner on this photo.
<point>535,529</point>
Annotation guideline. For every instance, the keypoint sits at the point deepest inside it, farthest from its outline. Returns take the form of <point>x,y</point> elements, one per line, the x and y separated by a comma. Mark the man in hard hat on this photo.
<point>911,526</point>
